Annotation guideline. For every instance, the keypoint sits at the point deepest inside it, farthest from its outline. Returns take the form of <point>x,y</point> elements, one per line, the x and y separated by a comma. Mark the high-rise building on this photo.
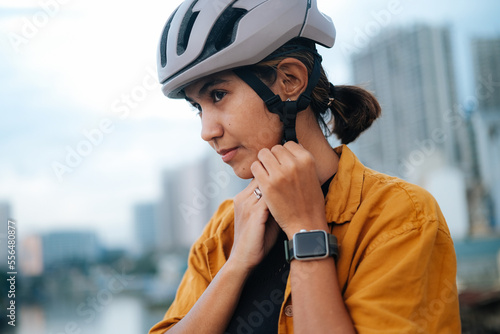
<point>67,248</point>
<point>486,121</point>
<point>191,194</point>
<point>146,221</point>
<point>183,206</point>
<point>410,70</point>
<point>486,57</point>
<point>422,134</point>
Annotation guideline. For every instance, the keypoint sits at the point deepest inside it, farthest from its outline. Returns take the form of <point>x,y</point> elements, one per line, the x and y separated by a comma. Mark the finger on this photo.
<point>261,204</point>
<point>268,159</point>
<point>258,203</point>
<point>260,174</point>
<point>283,155</point>
<point>295,149</point>
<point>255,193</point>
<point>300,155</point>
<point>252,184</point>
<point>246,193</point>
<point>250,187</point>
<point>252,194</point>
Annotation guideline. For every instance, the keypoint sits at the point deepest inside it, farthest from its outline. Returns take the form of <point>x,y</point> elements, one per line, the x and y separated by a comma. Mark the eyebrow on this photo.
<point>207,86</point>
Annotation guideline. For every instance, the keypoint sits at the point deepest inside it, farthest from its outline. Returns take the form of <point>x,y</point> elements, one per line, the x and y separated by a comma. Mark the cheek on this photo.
<point>271,131</point>
<point>260,127</point>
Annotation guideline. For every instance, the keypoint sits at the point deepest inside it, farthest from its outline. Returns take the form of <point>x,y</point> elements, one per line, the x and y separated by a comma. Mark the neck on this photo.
<point>312,139</point>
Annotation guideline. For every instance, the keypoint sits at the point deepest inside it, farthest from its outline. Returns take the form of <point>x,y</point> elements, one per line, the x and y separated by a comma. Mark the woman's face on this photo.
<point>235,120</point>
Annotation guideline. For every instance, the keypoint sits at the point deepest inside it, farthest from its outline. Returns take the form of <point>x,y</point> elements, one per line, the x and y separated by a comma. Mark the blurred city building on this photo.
<point>5,215</point>
<point>486,58</point>
<point>429,137</point>
<point>486,127</point>
<point>422,133</point>
<point>410,70</point>
<point>70,248</point>
<point>191,195</point>
<point>146,226</point>
<point>31,257</point>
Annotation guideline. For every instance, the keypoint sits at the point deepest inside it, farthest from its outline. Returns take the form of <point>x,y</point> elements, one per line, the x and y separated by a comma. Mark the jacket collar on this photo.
<point>344,193</point>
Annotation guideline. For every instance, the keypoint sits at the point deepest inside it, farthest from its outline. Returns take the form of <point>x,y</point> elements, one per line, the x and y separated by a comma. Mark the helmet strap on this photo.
<point>286,110</point>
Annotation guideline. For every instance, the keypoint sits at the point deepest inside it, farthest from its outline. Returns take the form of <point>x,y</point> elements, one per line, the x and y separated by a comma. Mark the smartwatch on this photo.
<point>311,245</point>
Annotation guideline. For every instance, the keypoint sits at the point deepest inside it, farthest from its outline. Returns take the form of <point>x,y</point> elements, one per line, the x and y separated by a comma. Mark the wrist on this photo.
<point>311,245</point>
<point>239,266</point>
<point>319,224</point>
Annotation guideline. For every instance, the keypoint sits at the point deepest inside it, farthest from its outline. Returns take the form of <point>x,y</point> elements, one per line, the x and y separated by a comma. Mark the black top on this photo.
<point>258,309</point>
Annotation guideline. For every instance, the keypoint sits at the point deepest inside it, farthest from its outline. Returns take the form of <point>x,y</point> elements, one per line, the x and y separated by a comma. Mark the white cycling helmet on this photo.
<point>203,37</point>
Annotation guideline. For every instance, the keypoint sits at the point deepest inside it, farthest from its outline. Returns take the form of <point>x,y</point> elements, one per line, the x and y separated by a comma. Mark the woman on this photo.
<point>364,252</point>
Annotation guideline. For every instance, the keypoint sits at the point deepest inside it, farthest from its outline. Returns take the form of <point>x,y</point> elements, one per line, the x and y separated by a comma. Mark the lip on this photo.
<point>228,155</point>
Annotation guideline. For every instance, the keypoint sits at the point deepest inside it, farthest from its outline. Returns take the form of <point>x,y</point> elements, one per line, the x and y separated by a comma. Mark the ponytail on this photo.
<point>354,109</point>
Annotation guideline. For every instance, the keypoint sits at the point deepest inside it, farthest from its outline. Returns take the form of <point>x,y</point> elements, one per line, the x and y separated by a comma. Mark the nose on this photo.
<point>211,127</point>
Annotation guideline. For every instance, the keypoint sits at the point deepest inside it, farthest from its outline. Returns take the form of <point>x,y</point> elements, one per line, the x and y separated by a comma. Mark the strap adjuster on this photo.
<point>287,110</point>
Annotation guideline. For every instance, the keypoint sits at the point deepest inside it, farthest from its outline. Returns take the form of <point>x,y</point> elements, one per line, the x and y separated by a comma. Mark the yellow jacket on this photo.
<point>397,264</point>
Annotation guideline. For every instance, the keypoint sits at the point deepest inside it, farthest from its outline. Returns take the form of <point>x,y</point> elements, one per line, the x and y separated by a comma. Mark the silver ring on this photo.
<point>257,193</point>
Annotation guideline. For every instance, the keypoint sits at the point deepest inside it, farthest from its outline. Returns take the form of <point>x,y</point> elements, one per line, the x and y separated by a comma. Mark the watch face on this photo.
<point>310,244</point>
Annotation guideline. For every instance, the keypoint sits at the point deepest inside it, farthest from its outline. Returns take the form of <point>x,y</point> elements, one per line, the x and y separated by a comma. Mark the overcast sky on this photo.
<point>74,72</point>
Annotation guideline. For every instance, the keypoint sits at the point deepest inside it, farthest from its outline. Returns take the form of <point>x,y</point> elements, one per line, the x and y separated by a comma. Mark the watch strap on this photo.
<point>333,248</point>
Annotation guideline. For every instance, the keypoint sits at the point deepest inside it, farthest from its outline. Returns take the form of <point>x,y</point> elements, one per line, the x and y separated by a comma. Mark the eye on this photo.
<point>197,107</point>
<point>218,95</point>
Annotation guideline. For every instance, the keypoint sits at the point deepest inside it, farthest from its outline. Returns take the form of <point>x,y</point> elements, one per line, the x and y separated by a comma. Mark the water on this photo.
<point>123,314</point>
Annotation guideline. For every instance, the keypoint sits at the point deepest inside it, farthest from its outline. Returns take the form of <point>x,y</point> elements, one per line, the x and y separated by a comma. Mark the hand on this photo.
<point>289,182</point>
<point>255,231</point>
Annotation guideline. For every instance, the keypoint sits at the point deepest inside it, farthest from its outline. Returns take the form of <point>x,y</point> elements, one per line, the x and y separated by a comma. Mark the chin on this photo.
<point>244,173</point>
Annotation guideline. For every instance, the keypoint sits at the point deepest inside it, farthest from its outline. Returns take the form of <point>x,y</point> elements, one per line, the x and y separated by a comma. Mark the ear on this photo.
<point>292,78</point>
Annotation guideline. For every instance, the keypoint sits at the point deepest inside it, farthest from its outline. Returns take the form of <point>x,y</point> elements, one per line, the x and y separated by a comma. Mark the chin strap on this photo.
<point>286,110</point>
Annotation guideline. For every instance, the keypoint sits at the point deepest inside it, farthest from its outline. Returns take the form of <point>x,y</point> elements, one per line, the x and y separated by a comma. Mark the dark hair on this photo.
<point>353,108</point>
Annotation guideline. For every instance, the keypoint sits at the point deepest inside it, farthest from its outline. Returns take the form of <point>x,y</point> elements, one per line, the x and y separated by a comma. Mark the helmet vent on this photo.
<point>163,42</point>
<point>224,31</point>
<point>186,28</point>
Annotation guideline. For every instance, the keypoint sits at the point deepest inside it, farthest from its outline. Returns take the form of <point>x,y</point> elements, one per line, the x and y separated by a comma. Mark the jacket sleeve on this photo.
<point>405,280</point>
<point>200,271</point>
